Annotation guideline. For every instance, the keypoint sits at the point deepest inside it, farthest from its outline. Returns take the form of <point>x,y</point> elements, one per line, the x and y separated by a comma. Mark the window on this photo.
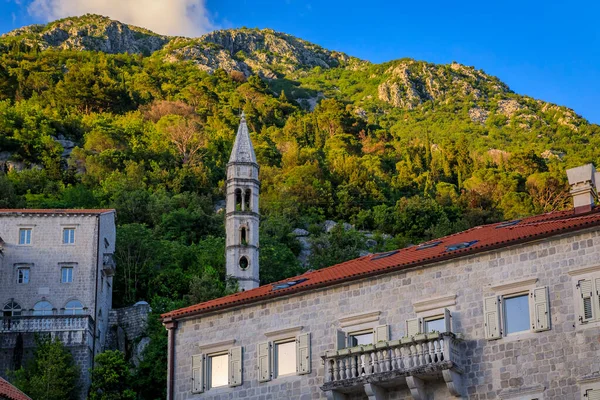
<point>74,307</point>
<point>589,303</point>
<point>288,356</point>
<point>42,308</point>
<point>243,238</point>
<point>11,309</point>
<point>285,358</point>
<point>516,313</point>
<point>592,394</point>
<point>363,338</point>
<point>23,275</point>
<point>247,197</point>
<point>359,339</point>
<point>68,235</point>
<point>243,263</point>
<point>433,323</point>
<point>25,236</point>
<point>238,200</point>
<point>223,368</point>
<point>520,311</point>
<point>66,274</point>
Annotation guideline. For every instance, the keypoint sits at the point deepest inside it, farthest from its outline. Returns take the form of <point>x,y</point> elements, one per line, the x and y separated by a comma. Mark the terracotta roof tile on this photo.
<point>55,211</point>
<point>484,238</point>
<point>10,392</point>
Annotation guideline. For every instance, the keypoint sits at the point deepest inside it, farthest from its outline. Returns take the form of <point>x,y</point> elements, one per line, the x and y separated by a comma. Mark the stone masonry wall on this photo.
<point>126,326</point>
<point>553,361</point>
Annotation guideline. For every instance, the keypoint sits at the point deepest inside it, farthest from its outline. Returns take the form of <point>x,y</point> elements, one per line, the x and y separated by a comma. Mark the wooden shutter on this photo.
<point>448,320</point>
<point>340,340</point>
<point>596,300</point>
<point>491,315</point>
<point>381,333</point>
<point>414,326</point>
<point>540,314</point>
<point>587,300</point>
<point>198,373</point>
<point>303,354</point>
<point>235,366</point>
<point>592,394</point>
<point>264,361</point>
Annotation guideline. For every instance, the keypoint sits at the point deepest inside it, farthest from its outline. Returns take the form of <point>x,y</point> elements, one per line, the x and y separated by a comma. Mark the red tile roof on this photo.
<point>55,211</point>
<point>486,237</point>
<point>10,392</point>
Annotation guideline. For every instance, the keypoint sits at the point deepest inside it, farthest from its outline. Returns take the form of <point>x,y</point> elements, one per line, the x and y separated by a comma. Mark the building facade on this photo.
<point>55,278</point>
<point>503,311</point>
<point>242,217</point>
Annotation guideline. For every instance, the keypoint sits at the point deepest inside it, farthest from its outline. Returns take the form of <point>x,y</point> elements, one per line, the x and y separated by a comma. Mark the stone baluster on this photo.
<point>445,345</point>
<point>388,359</point>
<point>367,363</point>
<point>431,352</point>
<point>396,358</point>
<point>348,362</point>
<point>336,370</point>
<point>354,366</point>
<point>330,370</point>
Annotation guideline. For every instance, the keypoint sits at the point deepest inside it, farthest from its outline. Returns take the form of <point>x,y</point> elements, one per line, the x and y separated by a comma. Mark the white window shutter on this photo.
<point>198,373</point>
<point>382,333</point>
<point>491,314</point>
<point>303,359</point>
<point>587,300</point>
<point>264,361</point>
<point>340,340</point>
<point>414,326</point>
<point>592,394</point>
<point>597,297</point>
<point>235,366</point>
<point>541,309</point>
<point>448,320</point>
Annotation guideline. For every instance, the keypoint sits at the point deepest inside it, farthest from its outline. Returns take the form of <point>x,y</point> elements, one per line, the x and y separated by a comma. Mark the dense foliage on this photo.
<point>154,135</point>
<point>111,377</point>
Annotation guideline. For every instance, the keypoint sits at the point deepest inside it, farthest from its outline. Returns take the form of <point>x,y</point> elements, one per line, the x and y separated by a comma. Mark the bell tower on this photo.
<point>242,218</point>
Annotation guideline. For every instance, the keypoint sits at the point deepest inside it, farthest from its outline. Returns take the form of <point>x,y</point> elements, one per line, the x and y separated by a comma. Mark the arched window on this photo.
<point>42,308</point>
<point>247,197</point>
<point>243,263</point>
<point>243,236</point>
<point>238,199</point>
<point>11,309</point>
<point>74,307</point>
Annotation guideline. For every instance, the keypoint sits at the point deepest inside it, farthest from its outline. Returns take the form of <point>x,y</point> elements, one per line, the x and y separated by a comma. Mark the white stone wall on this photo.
<point>553,360</point>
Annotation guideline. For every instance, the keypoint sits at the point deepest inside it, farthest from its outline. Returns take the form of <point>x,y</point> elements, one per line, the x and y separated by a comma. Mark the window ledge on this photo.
<point>217,346</point>
<point>284,333</point>
<point>357,319</point>
<point>586,270</point>
<point>591,378</point>
<point>435,303</point>
<point>514,285</point>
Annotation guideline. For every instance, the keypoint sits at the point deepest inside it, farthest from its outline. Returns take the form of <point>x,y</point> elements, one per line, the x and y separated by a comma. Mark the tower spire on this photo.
<point>242,220</point>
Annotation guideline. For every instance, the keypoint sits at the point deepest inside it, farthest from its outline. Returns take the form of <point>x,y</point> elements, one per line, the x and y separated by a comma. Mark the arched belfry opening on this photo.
<point>243,236</point>
<point>238,199</point>
<point>247,197</point>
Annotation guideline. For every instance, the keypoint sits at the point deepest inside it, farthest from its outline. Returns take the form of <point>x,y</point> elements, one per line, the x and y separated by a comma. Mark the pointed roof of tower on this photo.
<point>242,147</point>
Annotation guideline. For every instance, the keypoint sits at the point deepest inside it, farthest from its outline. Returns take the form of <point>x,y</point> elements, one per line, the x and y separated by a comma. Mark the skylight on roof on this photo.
<point>428,245</point>
<point>508,223</point>
<point>384,255</point>
<point>461,245</point>
<point>285,285</point>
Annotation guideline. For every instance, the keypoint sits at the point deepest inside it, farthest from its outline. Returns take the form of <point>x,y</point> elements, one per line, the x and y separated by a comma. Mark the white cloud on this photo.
<point>167,17</point>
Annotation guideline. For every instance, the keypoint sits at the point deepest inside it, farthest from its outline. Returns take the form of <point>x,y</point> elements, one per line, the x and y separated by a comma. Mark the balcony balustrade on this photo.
<point>46,323</point>
<point>408,361</point>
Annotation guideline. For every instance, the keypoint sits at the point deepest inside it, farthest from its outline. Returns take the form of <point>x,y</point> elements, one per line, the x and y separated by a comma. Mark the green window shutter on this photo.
<point>448,320</point>
<point>264,361</point>
<point>382,333</point>
<point>235,366</point>
<point>198,373</point>
<point>592,394</point>
<point>540,314</point>
<point>414,326</point>
<point>340,340</point>
<point>491,314</point>
<point>587,299</point>
<point>303,358</point>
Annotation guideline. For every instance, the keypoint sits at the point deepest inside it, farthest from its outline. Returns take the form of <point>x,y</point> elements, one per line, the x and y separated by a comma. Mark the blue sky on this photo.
<point>549,49</point>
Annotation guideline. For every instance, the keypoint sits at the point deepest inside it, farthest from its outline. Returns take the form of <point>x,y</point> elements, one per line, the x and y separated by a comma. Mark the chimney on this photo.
<point>583,187</point>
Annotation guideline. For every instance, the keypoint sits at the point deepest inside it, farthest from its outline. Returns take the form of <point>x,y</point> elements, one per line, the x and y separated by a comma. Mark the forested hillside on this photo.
<point>95,113</point>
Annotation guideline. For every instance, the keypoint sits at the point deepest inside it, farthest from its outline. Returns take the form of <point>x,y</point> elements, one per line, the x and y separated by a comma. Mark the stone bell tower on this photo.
<point>241,244</point>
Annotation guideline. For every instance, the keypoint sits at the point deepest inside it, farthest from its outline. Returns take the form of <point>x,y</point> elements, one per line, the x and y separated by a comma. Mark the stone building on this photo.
<point>56,278</point>
<point>503,311</point>
<point>242,218</point>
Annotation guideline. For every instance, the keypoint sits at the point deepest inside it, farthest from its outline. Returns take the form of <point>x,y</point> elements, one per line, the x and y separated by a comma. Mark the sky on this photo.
<point>546,49</point>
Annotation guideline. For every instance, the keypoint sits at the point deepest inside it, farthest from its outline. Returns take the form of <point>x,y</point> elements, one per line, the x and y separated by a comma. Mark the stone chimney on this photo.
<point>583,187</point>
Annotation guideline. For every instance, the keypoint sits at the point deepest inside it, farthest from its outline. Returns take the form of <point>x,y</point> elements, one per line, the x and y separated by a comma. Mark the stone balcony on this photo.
<point>108,264</point>
<point>411,361</point>
<point>72,330</point>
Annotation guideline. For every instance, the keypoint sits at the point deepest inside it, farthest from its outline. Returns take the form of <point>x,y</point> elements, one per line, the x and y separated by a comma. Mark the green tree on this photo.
<point>51,374</point>
<point>111,377</point>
